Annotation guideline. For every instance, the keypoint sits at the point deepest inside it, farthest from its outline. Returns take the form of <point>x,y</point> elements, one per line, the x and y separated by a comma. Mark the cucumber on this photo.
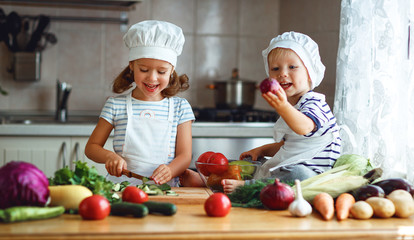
<point>127,208</point>
<point>26,213</point>
<point>164,208</point>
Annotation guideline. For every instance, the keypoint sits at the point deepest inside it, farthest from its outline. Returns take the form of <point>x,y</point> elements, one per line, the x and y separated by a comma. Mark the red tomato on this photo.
<point>217,205</point>
<point>95,207</point>
<point>203,158</point>
<point>134,195</point>
<point>221,163</point>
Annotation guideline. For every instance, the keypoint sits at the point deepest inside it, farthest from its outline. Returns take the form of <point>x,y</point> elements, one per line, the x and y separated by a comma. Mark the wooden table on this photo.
<point>191,222</point>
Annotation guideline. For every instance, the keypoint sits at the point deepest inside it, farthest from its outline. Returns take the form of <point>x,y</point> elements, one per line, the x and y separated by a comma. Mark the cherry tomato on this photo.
<point>217,205</point>
<point>95,207</point>
<point>220,162</point>
<point>203,158</point>
<point>134,195</point>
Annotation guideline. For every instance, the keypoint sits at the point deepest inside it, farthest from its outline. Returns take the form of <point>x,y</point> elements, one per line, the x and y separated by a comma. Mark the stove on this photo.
<point>234,115</point>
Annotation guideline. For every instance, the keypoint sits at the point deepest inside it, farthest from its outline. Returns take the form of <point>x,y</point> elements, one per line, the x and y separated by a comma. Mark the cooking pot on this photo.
<point>234,93</point>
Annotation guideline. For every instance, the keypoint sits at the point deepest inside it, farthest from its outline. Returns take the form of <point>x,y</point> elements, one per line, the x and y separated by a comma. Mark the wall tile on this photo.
<point>182,14</point>
<point>217,17</point>
<point>259,19</point>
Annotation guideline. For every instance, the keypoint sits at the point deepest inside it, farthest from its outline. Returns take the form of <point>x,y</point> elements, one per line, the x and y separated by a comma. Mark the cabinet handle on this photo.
<point>77,151</point>
<point>63,149</point>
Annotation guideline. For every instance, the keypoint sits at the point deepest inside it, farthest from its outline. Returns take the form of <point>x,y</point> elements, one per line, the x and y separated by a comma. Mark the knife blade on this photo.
<point>134,175</point>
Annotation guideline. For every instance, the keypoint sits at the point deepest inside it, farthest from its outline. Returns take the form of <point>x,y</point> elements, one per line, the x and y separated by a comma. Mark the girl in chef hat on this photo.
<point>152,126</point>
<point>306,135</point>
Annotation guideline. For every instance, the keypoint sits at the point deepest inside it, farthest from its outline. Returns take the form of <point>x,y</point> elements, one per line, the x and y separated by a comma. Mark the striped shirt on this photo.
<point>313,105</point>
<point>114,112</point>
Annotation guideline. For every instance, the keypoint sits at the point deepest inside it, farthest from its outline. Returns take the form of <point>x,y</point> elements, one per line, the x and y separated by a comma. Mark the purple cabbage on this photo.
<point>22,184</point>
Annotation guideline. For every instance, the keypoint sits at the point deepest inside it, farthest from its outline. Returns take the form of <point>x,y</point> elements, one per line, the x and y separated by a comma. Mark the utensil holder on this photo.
<point>26,66</point>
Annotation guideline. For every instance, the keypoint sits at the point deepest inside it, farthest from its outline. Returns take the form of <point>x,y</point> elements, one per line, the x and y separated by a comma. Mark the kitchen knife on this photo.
<point>134,175</point>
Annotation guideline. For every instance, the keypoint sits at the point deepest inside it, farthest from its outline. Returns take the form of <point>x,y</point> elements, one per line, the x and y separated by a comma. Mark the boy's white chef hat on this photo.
<point>305,48</point>
<point>154,39</point>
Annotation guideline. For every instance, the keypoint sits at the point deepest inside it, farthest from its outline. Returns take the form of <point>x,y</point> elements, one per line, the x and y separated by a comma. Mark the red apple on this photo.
<point>269,85</point>
<point>219,162</point>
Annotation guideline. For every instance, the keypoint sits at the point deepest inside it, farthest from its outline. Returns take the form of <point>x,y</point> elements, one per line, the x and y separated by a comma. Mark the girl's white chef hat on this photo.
<point>154,39</point>
<point>305,48</point>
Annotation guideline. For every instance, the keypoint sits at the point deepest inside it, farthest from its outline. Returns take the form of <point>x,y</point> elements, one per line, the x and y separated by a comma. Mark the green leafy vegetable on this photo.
<point>358,164</point>
<point>85,176</point>
<point>248,196</point>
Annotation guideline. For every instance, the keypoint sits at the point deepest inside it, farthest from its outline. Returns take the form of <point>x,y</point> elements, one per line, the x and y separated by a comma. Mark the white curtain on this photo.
<point>374,94</point>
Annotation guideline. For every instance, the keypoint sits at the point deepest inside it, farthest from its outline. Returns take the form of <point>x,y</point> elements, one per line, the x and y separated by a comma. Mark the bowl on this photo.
<point>212,174</point>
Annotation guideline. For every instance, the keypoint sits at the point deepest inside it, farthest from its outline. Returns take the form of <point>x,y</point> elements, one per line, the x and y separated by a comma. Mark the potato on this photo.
<point>361,210</point>
<point>68,196</point>
<point>403,202</point>
<point>383,207</point>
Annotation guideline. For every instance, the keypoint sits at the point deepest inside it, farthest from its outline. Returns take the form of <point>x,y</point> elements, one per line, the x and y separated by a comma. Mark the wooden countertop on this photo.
<point>191,222</point>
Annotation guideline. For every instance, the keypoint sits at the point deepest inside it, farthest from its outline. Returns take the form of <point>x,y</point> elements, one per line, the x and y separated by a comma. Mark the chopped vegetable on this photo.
<point>85,176</point>
<point>22,184</point>
<point>343,205</point>
<point>26,213</point>
<point>324,204</point>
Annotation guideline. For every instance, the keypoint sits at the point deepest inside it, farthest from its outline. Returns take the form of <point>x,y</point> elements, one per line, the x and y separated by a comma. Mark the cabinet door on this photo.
<point>47,153</point>
<point>78,153</point>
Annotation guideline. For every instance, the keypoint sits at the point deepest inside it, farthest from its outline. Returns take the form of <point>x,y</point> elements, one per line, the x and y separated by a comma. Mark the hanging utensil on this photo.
<point>13,23</point>
<point>37,34</point>
<point>24,36</point>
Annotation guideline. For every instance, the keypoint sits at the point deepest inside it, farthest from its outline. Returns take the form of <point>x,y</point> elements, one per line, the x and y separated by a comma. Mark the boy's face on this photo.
<point>288,69</point>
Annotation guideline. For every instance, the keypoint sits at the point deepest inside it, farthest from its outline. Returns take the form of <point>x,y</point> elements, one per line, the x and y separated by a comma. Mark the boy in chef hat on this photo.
<point>152,126</point>
<point>306,135</point>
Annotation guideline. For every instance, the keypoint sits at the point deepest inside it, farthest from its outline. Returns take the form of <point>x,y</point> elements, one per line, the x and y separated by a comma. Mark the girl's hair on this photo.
<point>125,79</point>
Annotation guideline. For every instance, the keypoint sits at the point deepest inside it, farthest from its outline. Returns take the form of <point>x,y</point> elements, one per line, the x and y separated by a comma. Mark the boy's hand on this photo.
<point>162,174</point>
<point>276,101</point>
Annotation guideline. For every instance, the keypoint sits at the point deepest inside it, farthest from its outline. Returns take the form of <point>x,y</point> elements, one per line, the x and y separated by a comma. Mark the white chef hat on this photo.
<point>305,48</point>
<point>154,39</point>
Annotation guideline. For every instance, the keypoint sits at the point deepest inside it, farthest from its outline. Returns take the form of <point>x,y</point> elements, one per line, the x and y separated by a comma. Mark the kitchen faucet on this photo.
<point>62,95</point>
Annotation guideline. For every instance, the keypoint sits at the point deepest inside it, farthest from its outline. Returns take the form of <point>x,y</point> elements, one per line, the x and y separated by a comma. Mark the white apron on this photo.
<point>296,148</point>
<point>147,143</point>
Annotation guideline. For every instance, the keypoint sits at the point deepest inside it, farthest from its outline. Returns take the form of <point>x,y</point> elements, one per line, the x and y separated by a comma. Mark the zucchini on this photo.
<point>164,208</point>
<point>127,208</point>
<point>26,213</point>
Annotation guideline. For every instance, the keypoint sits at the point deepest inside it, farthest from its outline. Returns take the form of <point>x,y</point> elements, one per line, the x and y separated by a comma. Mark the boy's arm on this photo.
<point>297,121</point>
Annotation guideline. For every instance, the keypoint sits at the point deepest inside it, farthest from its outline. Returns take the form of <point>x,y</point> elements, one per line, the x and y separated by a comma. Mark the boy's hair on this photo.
<point>176,84</point>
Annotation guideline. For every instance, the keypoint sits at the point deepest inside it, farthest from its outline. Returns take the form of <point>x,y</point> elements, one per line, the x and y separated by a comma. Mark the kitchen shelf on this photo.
<point>123,5</point>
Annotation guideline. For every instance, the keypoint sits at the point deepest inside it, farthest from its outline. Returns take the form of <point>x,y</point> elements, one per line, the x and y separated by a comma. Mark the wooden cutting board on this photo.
<point>186,195</point>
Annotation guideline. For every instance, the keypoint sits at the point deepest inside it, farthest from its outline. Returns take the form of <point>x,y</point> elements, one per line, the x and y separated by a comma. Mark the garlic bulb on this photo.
<point>299,207</point>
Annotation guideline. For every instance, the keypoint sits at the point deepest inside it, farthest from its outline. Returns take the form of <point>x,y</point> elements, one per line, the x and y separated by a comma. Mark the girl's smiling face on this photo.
<point>288,69</point>
<point>151,77</point>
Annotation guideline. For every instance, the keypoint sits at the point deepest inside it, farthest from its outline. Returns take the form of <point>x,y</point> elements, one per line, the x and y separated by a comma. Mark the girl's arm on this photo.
<point>297,121</point>
<point>183,152</point>
<point>95,151</point>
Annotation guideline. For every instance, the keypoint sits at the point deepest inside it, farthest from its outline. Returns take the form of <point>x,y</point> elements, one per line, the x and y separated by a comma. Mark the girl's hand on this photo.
<point>115,165</point>
<point>162,174</point>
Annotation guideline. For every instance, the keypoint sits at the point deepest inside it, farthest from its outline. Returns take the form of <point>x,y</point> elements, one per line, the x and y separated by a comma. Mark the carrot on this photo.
<point>343,205</point>
<point>324,204</point>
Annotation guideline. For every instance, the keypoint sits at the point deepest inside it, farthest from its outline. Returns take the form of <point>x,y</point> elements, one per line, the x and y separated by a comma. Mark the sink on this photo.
<point>47,119</point>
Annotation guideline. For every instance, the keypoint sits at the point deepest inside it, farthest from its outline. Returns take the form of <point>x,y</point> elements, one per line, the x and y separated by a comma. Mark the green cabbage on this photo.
<point>357,164</point>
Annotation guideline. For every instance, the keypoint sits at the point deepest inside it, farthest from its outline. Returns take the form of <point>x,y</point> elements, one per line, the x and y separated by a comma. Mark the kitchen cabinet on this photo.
<point>47,153</point>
